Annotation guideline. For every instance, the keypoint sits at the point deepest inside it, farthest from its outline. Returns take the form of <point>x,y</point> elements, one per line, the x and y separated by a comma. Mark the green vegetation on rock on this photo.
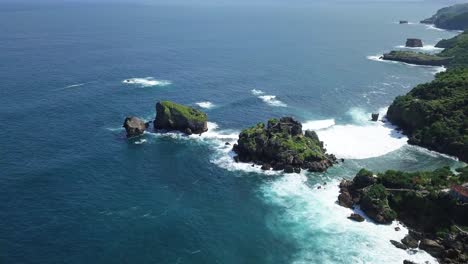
<point>418,58</point>
<point>280,144</point>
<point>172,116</point>
<point>434,115</point>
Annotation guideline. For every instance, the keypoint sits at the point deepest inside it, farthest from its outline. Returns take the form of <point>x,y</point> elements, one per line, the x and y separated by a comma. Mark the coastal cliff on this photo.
<point>434,115</point>
<point>452,18</point>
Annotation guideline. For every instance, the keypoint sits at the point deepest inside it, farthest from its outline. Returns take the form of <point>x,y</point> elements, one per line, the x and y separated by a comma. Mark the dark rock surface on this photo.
<point>409,241</point>
<point>356,217</point>
<point>375,117</point>
<point>398,245</point>
<point>414,43</point>
<point>134,126</point>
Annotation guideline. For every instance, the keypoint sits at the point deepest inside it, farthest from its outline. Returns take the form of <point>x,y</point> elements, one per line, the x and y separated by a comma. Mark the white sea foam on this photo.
<point>433,27</point>
<point>423,48</point>
<point>257,92</point>
<point>147,82</point>
<point>435,69</point>
<point>359,140</point>
<point>311,218</point>
<point>268,99</point>
<point>439,69</point>
<point>74,85</point>
<point>206,104</point>
<point>272,100</point>
<point>318,124</point>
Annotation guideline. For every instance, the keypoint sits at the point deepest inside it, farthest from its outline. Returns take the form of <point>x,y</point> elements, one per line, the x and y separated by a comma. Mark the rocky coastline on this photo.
<point>426,202</point>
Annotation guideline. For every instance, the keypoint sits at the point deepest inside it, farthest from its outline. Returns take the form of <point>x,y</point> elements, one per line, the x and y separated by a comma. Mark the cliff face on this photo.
<point>434,115</point>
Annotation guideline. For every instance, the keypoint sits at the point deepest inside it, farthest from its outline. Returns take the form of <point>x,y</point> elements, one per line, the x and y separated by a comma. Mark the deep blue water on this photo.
<point>74,190</point>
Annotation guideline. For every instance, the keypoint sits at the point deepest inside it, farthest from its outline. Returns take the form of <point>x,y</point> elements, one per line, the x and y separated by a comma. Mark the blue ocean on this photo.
<point>73,189</point>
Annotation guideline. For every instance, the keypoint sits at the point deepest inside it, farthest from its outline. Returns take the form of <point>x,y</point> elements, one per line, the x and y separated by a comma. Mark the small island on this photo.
<point>171,116</point>
<point>282,145</point>
<point>434,205</point>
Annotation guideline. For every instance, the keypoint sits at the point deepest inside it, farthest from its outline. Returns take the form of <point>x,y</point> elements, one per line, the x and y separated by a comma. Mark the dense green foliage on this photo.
<point>434,115</point>
<point>421,180</point>
<point>189,113</point>
<point>420,199</point>
<point>453,17</point>
<point>455,48</point>
<point>260,142</point>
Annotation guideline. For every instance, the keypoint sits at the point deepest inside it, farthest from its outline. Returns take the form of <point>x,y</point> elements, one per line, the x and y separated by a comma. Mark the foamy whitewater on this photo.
<point>307,212</point>
<point>268,99</point>
<point>426,48</point>
<point>205,105</point>
<point>434,69</point>
<point>147,82</point>
<point>360,140</point>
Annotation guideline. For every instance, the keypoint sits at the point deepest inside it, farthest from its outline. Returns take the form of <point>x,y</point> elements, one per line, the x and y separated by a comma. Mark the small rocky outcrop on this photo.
<point>172,116</point>
<point>282,145</point>
<point>134,126</point>
<point>398,245</point>
<point>414,43</point>
<point>403,21</point>
<point>432,247</point>
<point>375,117</point>
<point>410,241</point>
<point>356,217</point>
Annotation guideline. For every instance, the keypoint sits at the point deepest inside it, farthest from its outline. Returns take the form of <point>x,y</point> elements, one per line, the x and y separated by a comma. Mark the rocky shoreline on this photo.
<point>426,202</point>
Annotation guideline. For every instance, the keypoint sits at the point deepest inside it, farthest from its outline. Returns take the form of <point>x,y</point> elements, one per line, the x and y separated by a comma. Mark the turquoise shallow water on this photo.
<point>74,190</point>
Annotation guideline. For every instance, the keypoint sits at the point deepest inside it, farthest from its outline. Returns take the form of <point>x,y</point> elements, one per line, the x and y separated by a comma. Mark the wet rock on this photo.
<point>432,247</point>
<point>134,126</point>
<point>375,117</point>
<point>399,245</point>
<point>345,199</point>
<point>356,217</point>
<point>266,167</point>
<point>409,241</point>
<point>289,169</point>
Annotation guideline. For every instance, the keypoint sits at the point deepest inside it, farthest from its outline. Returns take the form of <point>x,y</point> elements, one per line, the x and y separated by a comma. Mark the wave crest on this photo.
<point>147,82</point>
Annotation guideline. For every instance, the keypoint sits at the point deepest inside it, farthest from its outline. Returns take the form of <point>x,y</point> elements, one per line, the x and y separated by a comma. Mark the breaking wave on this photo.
<point>206,104</point>
<point>147,82</point>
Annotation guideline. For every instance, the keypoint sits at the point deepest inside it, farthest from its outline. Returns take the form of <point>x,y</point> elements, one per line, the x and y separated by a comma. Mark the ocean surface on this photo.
<point>73,189</point>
